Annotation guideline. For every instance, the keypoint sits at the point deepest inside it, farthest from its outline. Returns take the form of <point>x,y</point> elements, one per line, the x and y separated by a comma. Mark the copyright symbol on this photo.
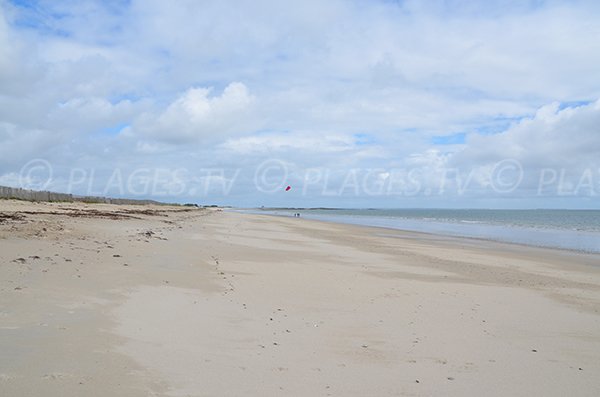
<point>270,176</point>
<point>506,176</point>
<point>35,175</point>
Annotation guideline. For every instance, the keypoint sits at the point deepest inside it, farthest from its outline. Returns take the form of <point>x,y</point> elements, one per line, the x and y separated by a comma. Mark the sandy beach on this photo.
<point>106,300</point>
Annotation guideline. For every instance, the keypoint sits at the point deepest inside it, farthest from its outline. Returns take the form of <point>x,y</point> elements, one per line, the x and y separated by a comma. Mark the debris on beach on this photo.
<point>6,217</point>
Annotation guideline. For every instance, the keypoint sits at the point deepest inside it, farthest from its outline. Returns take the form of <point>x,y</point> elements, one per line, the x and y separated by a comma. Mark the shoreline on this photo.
<point>441,233</point>
<point>115,300</point>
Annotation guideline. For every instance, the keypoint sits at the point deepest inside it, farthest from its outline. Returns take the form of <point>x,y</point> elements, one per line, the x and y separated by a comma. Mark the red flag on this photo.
<point>288,188</point>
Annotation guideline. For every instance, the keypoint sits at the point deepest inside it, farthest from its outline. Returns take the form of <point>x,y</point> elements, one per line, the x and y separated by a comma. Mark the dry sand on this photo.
<point>101,300</point>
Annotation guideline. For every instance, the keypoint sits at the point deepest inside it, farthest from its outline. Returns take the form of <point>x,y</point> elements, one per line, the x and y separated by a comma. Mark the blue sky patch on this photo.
<point>364,139</point>
<point>454,139</point>
<point>573,104</point>
<point>114,130</point>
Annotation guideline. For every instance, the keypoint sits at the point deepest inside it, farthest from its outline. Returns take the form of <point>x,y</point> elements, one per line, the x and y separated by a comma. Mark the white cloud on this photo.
<point>197,116</point>
<point>551,138</point>
<point>19,145</point>
<point>300,80</point>
<point>551,143</point>
<point>90,114</point>
<point>284,143</point>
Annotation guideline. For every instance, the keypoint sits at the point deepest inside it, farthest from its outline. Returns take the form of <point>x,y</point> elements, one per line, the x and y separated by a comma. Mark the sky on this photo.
<point>379,104</point>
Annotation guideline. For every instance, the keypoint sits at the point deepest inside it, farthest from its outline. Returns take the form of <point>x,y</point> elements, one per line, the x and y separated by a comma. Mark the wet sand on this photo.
<point>100,300</point>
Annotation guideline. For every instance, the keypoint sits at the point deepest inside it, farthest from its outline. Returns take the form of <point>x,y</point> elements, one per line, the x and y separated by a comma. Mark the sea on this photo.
<point>576,230</point>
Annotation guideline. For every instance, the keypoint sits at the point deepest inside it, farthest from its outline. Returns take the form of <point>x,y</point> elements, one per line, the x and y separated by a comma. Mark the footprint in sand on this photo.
<point>57,376</point>
<point>7,377</point>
